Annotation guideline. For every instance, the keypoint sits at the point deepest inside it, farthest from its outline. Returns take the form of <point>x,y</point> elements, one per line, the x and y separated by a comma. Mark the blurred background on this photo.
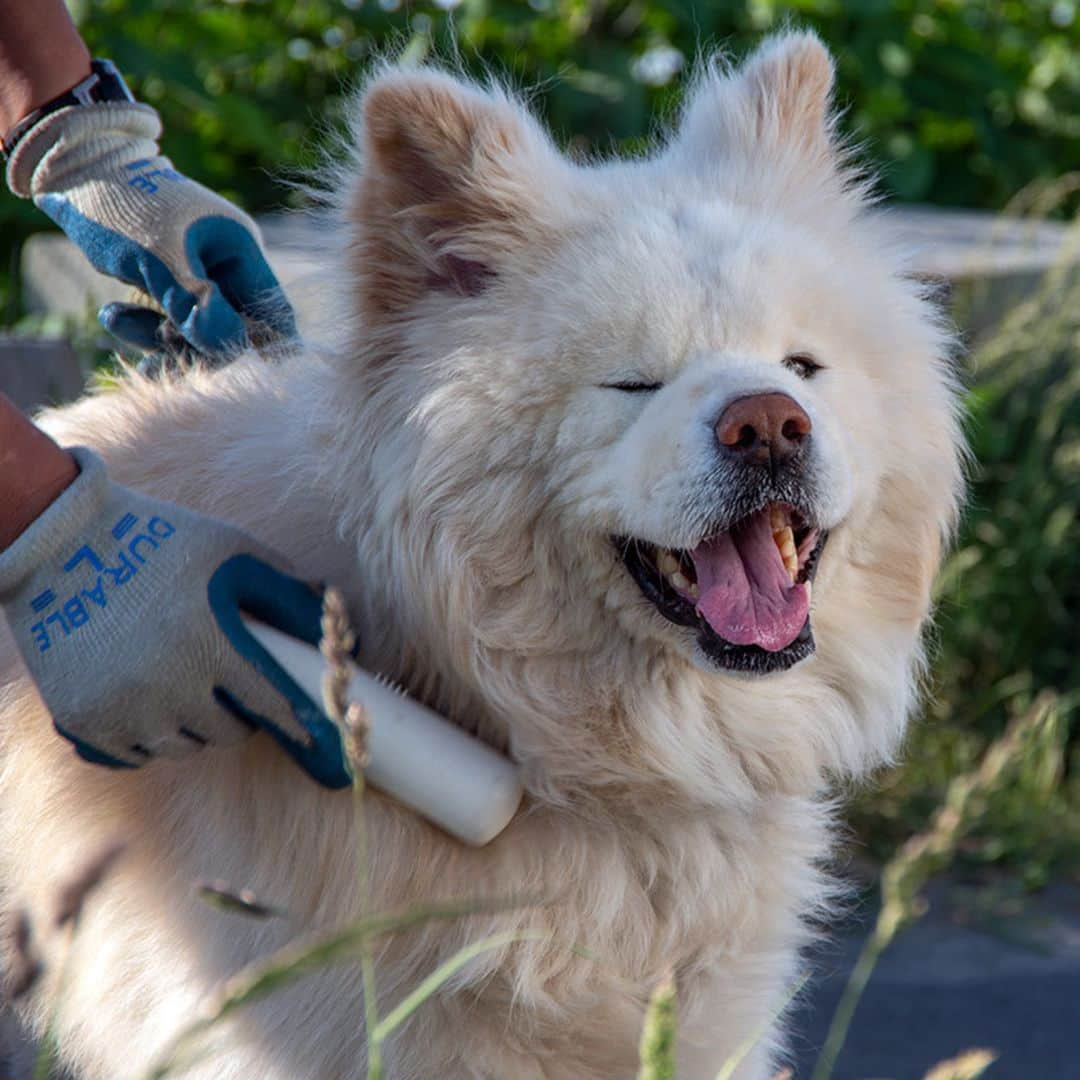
<point>972,112</point>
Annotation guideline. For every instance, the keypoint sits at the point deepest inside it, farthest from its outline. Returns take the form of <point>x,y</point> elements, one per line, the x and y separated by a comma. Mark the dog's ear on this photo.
<point>772,113</point>
<point>454,181</point>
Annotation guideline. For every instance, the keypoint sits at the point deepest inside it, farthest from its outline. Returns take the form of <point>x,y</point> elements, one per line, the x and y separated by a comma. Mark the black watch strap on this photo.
<point>104,83</point>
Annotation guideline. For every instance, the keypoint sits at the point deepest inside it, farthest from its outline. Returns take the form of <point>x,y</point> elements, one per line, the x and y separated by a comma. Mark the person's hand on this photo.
<point>127,614</point>
<point>97,172</point>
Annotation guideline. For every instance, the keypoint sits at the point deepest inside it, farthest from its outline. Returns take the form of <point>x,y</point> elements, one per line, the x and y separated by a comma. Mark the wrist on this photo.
<point>66,147</point>
<point>33,76</point>
<point>33,473</point>
<point>54,533</point>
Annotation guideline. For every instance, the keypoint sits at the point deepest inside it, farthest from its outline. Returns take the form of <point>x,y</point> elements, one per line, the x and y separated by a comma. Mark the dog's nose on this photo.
<point>764,429</point>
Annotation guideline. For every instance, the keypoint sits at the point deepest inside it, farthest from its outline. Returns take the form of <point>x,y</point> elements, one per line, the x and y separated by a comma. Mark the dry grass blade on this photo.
<point>927,853</point>
<point>264,976</point>
<point>658,1033</point>
<point>969,1065</point>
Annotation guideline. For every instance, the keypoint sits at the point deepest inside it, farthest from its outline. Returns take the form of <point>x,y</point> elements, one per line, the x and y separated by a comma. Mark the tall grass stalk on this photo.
<point>657,1047</point>
<point>748,1044</point>
<point>269,974</point>
<point>337,645</point>
<point>928,852</point>
<point>445,971</point>
<point>367,955</point>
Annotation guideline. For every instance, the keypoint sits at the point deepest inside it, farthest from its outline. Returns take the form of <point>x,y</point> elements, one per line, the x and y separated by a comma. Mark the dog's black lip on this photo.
<point>753,659</point>
<point>668,602</point>
<point>750,659</point>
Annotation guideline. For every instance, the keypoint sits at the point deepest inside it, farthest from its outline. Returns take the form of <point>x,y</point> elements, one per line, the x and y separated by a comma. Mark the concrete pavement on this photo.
<point>1009,982</point>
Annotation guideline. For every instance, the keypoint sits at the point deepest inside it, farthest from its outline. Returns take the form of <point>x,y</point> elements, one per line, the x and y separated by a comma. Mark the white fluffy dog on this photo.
<point>574,467</point>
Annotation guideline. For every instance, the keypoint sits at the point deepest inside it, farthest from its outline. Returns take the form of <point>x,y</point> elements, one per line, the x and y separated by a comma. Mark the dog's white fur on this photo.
<point>457,467</point>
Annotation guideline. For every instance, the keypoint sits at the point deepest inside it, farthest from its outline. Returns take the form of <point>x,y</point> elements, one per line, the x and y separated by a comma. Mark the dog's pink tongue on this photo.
<point>745,592</point>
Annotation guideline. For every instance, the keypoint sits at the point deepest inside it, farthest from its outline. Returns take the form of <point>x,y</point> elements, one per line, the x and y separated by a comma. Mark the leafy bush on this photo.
<point>1009,598</point>
<point>964,101</point>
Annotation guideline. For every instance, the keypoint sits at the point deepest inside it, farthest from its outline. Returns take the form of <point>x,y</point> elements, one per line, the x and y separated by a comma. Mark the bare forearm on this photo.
<point>33,472</point>
<point>41,56</point>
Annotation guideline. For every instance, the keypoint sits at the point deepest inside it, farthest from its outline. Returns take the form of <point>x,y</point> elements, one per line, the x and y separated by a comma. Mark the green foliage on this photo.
<point>1009,622</point>
<point>964,101</point>
<point>1010,594</point>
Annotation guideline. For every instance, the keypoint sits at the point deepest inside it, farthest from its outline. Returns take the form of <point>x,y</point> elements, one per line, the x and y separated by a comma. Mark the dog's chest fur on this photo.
<point>715,900</point>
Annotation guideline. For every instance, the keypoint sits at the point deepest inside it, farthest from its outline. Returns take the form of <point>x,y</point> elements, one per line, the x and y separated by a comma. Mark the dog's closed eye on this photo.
<point>633,387</point>
<point>802,364</point>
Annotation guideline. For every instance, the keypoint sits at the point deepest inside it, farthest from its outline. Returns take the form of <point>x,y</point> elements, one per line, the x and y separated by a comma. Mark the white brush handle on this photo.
<point>414,755</point>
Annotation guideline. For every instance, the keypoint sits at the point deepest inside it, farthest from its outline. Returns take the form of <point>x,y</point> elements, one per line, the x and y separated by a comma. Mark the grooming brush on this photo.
<point>414,755</point>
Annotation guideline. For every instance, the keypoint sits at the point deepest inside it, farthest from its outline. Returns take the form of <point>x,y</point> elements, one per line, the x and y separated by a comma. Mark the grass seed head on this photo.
<point>337,646</point>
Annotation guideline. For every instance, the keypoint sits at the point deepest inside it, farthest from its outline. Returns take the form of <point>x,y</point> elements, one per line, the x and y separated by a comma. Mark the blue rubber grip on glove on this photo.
<point>245,583</point>
<point>222,255</point>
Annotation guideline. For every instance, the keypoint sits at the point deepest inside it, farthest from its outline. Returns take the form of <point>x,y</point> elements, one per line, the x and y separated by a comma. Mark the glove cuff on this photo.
<point>66,141</point>
<point>52,532</point>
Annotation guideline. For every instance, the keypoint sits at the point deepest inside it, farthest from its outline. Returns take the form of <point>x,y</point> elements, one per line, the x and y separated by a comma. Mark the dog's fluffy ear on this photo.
<point>767,119</point>
<point>454,181</point>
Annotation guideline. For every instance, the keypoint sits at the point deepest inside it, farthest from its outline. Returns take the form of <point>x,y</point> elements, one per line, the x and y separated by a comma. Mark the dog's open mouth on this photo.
<point>746,591</point>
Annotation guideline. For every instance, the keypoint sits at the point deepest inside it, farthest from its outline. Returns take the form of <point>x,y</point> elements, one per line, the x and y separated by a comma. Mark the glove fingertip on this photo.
<point>133,325</point>
<point>322,758</point>
<point>214,327</point>
<point>92,754</point>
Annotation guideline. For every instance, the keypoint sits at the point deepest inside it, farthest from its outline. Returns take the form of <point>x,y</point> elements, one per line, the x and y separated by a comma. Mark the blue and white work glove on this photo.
<point>127,614</point>
<point>96,170</point>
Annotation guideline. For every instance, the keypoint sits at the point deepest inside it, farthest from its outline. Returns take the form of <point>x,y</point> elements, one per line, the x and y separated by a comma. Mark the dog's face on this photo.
<point>664,393</point>
<point>719,421</point>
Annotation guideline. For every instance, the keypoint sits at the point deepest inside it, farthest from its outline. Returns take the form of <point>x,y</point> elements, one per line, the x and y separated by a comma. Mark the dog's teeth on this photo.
<point>784,539</point>
<point>777,519</point>
<point>668,563</point>
<point>695,592</point>
<point>809,590</point>
<point>680,581</point>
